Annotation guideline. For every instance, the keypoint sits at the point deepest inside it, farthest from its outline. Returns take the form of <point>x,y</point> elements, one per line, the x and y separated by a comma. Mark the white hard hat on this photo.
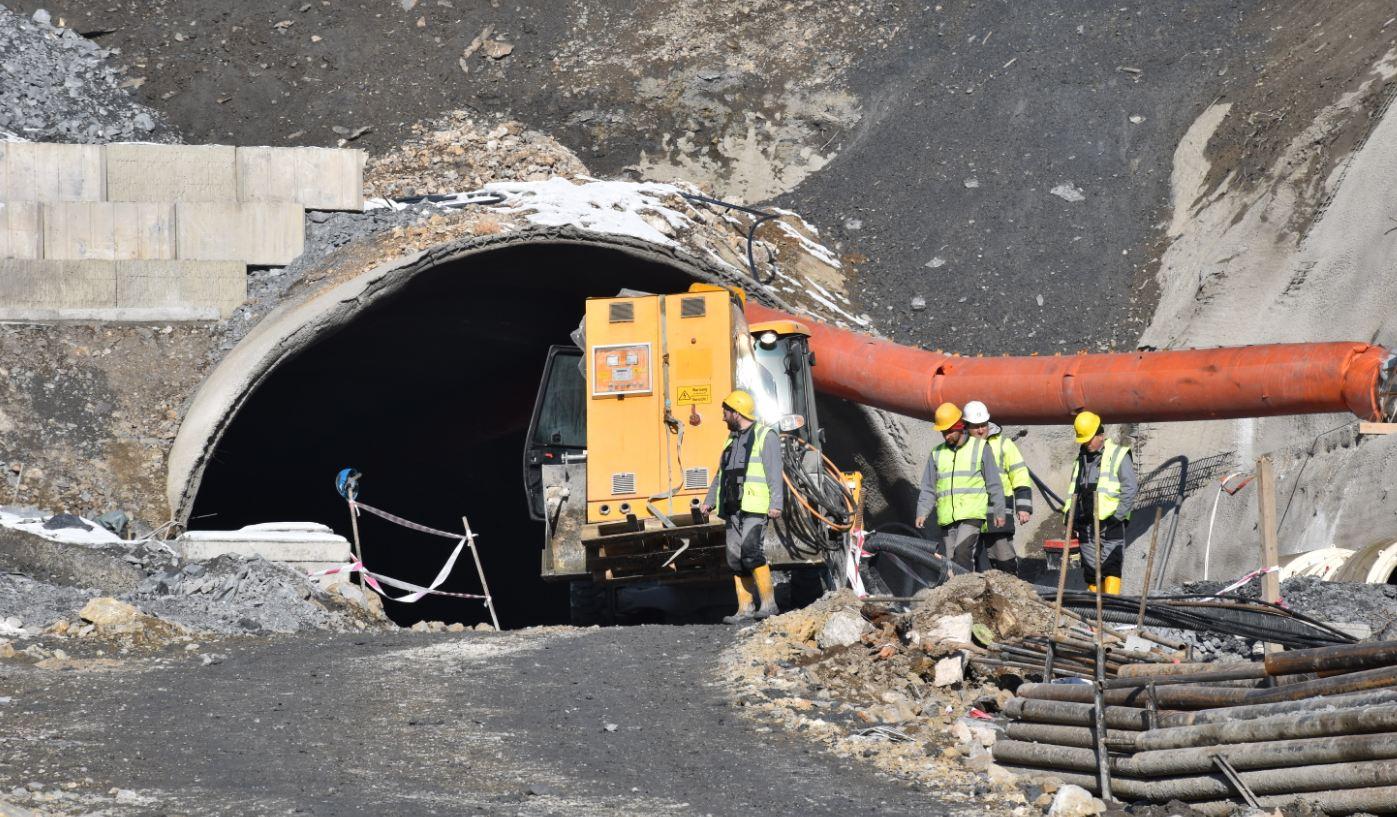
<point>976,413</point>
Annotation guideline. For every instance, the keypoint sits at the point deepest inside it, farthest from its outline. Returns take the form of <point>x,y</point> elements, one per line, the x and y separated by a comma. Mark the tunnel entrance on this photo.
<point>428,393</point>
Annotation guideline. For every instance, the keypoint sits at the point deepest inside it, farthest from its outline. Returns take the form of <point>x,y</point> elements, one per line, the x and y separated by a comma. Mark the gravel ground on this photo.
<point>581,722</point>
<point>58,86</point>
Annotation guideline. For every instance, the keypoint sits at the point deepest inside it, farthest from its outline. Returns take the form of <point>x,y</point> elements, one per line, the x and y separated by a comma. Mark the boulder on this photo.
<point>1075,801</point>
<point>949,671</point>
<point>841,629</point>
<point>949,628</point>
<point>106,611</point>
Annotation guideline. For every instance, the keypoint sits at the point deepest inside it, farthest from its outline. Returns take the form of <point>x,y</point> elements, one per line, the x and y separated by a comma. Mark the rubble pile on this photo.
<point>894,687</point>
<point>1371,605</point>
<point>932,692</point>
<point>84,584</point>
<point>458,154</point>
<point>56,86</point>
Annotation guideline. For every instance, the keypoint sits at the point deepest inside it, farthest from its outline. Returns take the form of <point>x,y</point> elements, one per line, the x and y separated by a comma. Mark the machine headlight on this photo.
<point>791,422</point>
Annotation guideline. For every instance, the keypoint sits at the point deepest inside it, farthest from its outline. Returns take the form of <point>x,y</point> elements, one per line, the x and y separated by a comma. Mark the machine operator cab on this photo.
<point>626,434</point>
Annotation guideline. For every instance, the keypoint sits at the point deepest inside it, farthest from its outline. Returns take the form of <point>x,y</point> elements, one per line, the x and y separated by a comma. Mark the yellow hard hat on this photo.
<point>742,403</point>
<point>1086,424</point>
<point>946,416</point>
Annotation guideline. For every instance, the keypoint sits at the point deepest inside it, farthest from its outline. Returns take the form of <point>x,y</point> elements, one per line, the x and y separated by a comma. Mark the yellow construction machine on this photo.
<point>625,438</point>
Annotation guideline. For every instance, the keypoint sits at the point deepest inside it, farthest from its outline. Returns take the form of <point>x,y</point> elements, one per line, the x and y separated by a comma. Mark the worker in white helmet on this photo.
<point>997,541</point>
<point>962,483</point>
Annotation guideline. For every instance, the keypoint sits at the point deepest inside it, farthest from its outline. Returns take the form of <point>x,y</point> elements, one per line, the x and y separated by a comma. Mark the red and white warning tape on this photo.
<point>355,506</point>
<point>374,580</point>
<point>1252,575</point>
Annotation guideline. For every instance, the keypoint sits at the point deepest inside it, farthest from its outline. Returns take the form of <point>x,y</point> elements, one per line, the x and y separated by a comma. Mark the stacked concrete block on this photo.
<point>188,290</point>
<point>55,290</point>
<point>171,173</point>
<point>112,290</point>
<point>306,547</point>
<point>21,230</point>
<point>108,231</point>
<point>41,171</point>
<point>263,234</point>
<point>315,178</point>
<point>155,230</point>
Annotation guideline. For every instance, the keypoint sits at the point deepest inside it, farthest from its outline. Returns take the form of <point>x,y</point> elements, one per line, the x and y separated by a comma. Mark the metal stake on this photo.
<point>475,554</point>
<point>1224,766</point>
<point>1062,568</point>
<point>1103,760</point>
<point>1149,566</point>
<point>354,525</point>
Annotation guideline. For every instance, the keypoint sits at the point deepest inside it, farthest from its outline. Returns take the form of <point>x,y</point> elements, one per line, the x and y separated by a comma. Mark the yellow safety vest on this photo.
<point>756,493</point>
<point>1108,480</point>
<point>1013,471</point>
<point>960,482</point>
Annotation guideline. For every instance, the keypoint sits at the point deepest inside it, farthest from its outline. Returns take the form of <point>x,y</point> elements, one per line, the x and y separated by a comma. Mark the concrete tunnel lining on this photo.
<point>297,325</point>
<point>252,368</point>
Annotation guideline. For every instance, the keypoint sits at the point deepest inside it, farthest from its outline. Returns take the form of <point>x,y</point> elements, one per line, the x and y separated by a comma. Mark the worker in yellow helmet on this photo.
<point>746,492</point>
<point>962,483</point>
<point>1103,482</point>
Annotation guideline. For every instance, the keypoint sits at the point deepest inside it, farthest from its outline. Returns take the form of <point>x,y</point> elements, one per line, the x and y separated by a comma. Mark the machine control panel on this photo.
<point>621,369</point>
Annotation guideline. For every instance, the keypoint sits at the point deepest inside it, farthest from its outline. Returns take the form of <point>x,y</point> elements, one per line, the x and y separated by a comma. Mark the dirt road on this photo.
<point>620,721</point>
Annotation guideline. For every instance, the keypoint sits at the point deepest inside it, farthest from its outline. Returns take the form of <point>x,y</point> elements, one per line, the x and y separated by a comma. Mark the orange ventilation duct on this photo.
<point>1189,384</point>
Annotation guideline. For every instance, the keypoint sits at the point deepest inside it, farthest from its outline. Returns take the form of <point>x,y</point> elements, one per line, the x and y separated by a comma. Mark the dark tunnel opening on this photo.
<point>428,393</point>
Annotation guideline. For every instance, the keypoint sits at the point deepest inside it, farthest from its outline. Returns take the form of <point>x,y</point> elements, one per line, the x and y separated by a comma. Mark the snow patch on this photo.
<point>631,209</point>
<point>30,523</point>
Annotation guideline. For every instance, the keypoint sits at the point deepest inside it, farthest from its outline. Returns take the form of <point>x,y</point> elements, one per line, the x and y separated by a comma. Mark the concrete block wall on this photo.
<point>112,290</point>
<point>155,229</point>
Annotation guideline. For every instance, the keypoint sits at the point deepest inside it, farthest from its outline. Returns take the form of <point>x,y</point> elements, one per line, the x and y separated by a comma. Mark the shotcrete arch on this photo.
<point>421,373</point>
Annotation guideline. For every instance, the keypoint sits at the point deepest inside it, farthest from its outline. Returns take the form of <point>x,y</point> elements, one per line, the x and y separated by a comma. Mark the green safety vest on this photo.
<point>960,482</point>
<point>756,493</point>
<point>1108,481</point>
<point>1013,471</point>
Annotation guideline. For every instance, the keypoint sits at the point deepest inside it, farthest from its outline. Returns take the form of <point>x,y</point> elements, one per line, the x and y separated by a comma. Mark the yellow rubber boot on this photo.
<point>746,606</point>
<point>768,608</point>
<point>1113,585</point>
<point>1091,588</point>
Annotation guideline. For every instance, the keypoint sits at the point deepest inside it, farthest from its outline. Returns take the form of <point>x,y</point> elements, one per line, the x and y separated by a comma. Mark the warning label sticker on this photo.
<point>694,395</point>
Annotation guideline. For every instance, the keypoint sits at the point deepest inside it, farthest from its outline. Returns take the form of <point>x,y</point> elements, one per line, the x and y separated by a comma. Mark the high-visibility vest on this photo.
<point>1108,480</point>
<point>756,493</point>
<point>960,482</point>
<point>1013,471</point>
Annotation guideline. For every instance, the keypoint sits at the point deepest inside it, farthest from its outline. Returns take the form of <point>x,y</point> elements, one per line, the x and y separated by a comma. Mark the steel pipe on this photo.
<point>1181,668</point>
<point>1366,720</point>
<point>1060,735</point>
<point>1342,657</point>
<point>1199,697</point>
<point>1375,800</point>
<point>1272,754</point>
<point>1327,703</point>
<point>1186,384</point>
<point>1225,672</point>
<point>1172,697</point>
<point>1076,714</point>
<point>1069,747</point>
<point>1325,779</point>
